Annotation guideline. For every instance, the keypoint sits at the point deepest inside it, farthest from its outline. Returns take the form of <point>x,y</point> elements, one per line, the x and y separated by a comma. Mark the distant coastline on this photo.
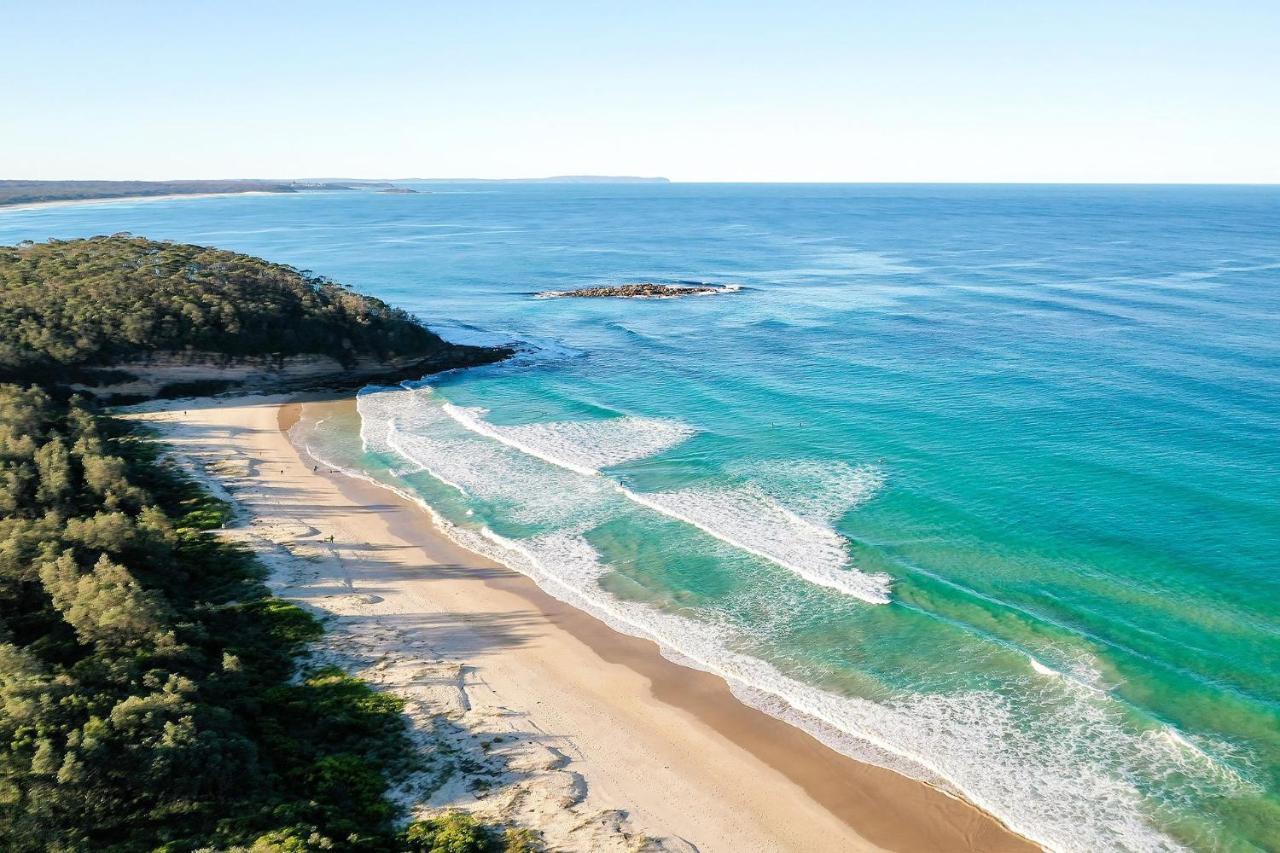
<point>14,193</point>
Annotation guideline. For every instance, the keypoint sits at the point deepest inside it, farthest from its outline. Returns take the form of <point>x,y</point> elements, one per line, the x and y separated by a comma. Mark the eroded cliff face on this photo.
<point>194,373</point>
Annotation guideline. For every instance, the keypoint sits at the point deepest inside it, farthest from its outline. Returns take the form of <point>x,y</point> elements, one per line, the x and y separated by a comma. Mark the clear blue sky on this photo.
<point>788,91</point>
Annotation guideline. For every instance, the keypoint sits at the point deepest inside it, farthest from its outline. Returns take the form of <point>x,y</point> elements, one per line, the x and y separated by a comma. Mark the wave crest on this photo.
<point>584,447</point>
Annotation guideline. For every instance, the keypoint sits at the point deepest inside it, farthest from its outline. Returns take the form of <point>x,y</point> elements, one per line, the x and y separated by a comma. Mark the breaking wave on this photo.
<point>584,447</point>
<point>748,519</point>
<point>744,517</point>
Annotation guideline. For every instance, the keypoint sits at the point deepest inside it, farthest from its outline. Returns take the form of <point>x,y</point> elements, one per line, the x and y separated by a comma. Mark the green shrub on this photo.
<point>451,832</point>
<point>520,841</point>
<point>291,840</point>
<point>349,789</point>
<point>288,624</point>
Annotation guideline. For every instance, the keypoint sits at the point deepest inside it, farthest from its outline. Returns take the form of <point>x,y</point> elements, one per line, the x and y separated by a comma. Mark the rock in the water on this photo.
<point>643,290</point>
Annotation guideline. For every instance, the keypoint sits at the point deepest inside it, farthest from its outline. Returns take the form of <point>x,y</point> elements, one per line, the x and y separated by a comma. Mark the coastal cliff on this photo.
<point>192,373</point>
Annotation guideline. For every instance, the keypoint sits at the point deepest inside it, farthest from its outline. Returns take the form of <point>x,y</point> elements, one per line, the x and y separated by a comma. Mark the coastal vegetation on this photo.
<point>153,694</point>
<point>69,308</point>
<point>147,679</point>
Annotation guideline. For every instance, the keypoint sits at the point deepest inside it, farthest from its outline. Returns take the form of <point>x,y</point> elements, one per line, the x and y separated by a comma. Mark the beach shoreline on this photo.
<point>667,746</point>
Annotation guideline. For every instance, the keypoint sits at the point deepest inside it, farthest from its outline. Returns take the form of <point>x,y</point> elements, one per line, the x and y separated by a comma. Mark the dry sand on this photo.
<point>527,711</point>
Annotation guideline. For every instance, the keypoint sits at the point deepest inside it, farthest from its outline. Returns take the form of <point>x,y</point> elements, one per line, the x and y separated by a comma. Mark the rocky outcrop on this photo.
<point>642,290</point>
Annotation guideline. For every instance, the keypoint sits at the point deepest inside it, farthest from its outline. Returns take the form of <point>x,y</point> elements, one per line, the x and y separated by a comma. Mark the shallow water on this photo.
<point>976,482</point>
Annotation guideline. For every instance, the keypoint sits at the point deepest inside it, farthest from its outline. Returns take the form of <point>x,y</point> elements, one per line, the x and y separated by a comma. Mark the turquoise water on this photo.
<point>979,483</point>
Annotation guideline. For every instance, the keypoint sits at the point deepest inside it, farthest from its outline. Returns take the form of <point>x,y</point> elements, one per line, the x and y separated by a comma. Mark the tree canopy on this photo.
<point>68,304</point>
<point>147,690</point>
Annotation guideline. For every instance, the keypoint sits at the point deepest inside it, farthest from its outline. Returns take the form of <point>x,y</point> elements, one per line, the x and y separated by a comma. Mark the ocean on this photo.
<point>979,483</point>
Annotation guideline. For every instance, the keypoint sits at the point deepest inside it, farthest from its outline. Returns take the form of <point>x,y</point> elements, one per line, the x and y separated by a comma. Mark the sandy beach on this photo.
<point>529,711</point>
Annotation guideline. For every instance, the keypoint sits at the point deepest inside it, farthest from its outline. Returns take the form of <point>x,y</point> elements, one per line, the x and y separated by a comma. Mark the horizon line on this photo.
<point>640,179</point>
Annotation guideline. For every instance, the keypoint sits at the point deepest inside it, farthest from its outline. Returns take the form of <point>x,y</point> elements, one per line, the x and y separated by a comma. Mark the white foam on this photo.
<point>383,410</point>
<point>744,517</point>
<point>525,491</point>
<point>413,451</point>
<point>815,489</point>
<point>1044,670</point>
<point>1079,669</point>
<point>583,447</point>
<point>750,520</point>
<point>1188,758</point>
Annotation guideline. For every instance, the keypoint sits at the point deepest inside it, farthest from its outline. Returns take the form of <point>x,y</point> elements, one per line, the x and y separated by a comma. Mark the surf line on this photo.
<point>873,589</point>
<point>475,424</point>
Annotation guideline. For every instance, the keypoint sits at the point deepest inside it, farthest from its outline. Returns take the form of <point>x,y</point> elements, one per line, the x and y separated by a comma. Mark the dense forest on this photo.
<point>153,695</point>
<point>144,671</point>
<point>68,305</point>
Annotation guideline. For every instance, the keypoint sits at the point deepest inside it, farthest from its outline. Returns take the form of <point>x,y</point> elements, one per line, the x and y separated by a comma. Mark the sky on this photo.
<point>694,91</point>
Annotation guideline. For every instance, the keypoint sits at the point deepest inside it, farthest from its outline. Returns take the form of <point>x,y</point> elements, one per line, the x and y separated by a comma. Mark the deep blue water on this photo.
<point>980,483</point>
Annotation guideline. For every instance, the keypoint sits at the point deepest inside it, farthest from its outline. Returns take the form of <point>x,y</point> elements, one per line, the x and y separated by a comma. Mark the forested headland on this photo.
<point>70,309</point>
<point>153,694</point>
